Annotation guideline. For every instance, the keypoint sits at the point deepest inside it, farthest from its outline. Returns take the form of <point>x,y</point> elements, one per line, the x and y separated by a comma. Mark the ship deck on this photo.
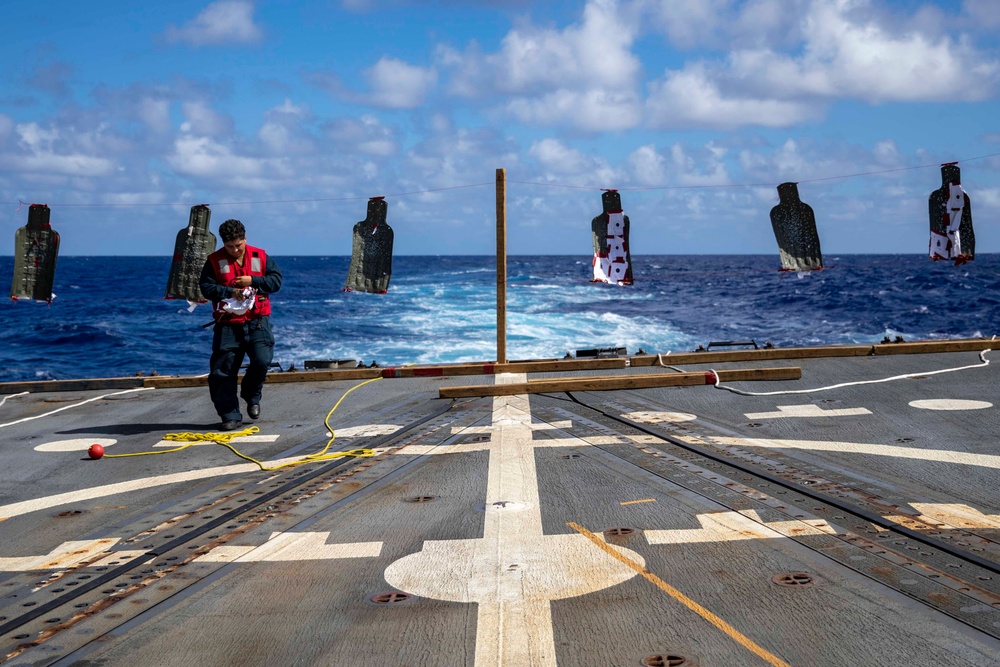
<point>670,525</point>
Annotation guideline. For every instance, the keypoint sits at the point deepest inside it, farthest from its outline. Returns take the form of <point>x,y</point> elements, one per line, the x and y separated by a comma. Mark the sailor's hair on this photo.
<point>231,230</point>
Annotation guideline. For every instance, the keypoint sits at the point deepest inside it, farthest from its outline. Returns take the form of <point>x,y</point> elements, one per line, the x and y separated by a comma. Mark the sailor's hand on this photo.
<point>242,281</point>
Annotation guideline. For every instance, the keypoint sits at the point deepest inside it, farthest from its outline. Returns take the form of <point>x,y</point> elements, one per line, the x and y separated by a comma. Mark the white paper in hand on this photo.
<point>241,303</point>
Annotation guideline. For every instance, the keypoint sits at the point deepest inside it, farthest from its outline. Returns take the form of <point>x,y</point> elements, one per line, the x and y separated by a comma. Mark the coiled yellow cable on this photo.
<point>224,439</point>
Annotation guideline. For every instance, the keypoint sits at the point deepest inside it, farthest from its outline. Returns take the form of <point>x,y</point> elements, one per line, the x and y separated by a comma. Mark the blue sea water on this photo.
<point>107,319</point>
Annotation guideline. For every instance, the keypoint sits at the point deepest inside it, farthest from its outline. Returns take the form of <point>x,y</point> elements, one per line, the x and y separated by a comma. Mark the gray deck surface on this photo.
<point>547,529</point>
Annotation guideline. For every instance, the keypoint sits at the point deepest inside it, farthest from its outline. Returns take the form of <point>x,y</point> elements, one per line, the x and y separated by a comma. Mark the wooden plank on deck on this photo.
<point>613,382</point>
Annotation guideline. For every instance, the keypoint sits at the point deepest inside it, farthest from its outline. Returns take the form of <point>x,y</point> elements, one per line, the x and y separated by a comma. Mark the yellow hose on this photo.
<point>225,438</point>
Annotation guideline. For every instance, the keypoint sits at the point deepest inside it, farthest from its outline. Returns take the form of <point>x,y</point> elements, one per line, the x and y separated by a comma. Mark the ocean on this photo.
<point>108,319</point>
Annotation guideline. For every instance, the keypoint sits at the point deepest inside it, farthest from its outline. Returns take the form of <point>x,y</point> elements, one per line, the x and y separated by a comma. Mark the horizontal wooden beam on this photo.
<point>411,371</point>
<point>936,346</point>
<point>917,347</point>
<point>546,366</point>
<point>614,382</point>
<point>272,378</point>
<point>99,384</point>
<point>332,375</point>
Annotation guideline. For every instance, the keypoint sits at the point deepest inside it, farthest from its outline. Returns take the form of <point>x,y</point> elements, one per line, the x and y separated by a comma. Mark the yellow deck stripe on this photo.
<point>732,632</point>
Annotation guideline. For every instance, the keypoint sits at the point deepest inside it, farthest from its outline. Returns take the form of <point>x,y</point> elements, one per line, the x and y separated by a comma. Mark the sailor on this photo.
<point>239,279</point>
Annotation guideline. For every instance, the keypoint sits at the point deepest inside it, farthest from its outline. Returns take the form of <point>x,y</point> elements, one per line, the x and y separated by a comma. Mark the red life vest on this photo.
<point>226,271</point>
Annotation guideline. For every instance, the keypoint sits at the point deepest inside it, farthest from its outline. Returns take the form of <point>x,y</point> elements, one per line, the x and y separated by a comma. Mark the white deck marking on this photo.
<point>285,547</point>
<point>74,445</point>
<point>69,554</point>
<point>23,393</point>
<point>65,555</point>
<point>432,450</point>
<point>80,495</point>
<point>75,405</point>
<point>949,404</point>
<point>280,547</point>
<point>942,455</point>
<point>366,430</point>
<point>961,516</point>
<point>533,426</point>
<point>647,417</point>
<point>83,444</point>
<point>514,570</point>
<point>731,526</point>
<point>234,441</point>
<point>807,410</point>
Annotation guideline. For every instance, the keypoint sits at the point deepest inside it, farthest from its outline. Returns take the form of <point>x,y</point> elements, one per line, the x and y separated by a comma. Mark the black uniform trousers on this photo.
<point>230,343</point>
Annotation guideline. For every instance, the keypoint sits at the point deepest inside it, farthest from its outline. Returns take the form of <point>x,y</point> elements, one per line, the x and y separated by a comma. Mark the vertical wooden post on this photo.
<point>501,266</point>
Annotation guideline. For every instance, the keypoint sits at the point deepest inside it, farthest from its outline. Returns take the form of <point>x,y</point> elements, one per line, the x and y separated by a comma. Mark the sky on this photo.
<point>289,115</point>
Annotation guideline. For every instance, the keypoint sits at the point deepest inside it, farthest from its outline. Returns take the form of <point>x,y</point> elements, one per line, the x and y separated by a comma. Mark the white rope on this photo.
<point>659,358</point>
<point>982,357</point>
<point>75,405</point>
<point>12,396</point>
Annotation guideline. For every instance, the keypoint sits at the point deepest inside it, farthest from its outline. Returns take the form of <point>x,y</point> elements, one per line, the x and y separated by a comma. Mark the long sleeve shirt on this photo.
<point>214,291</point>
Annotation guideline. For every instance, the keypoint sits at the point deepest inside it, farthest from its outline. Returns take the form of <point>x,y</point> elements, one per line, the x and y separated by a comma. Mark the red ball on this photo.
<point>96,451</point>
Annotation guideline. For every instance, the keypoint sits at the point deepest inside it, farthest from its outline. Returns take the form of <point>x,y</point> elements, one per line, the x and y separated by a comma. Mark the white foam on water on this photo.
<point>451,334</point>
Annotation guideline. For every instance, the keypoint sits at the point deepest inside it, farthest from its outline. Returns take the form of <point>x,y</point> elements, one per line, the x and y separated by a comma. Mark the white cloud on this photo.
<point>201,119</point>
<point>850,54</point>
<point>284,131</point>
<point>594,109</point>
<point>450,156</point>
<point>836,164</point>
<point>555,156</point>
<point>560,161</point>
<point>594,53</point>
<point>49,163</point>
<point>988,197</point>
<point>139,198</point>
<point>584,75</point>
<point>699,24</point>
<point>48,152</point>
<point>222,22</point>
<point>398,85</point>
<point>985,14</point>
<point>646,166</point>
<point>790,163</point>
<point>34,136</point>
<point>204,136</point>
<point>155,114</point>
<point>204,158</point>
<point>275,138</point>
<point>689,23</point>
<point>691,98</point>
<point>6,128</point>
<point>366,134</point>
<point>886,153</point>
<point>846,49</point>
<point>768,22</point>
<point>707,170</point>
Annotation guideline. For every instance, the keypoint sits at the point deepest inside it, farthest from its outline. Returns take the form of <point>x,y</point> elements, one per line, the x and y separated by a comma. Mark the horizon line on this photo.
<point>689,254</point>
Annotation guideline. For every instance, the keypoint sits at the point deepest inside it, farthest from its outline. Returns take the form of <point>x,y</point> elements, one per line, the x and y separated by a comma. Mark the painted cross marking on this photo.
<point>807,410</point>
<point>514,570</point>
